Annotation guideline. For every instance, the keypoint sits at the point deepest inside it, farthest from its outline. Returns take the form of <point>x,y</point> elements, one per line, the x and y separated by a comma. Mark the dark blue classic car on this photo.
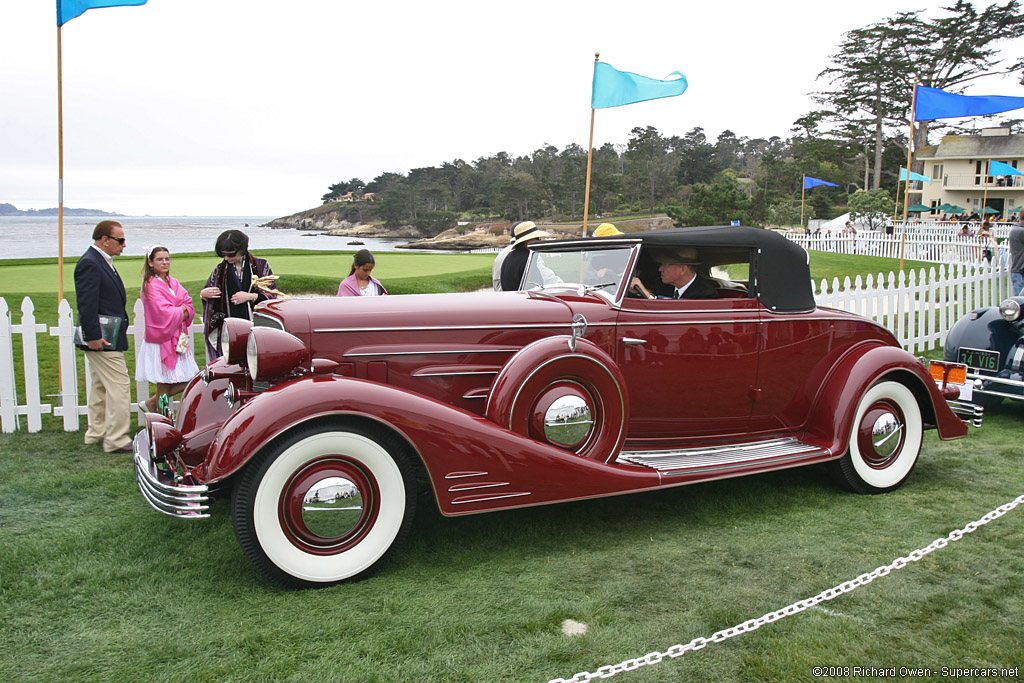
<point>990,341</point>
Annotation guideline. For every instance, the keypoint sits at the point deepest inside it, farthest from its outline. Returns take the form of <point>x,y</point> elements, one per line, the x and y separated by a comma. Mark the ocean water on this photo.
<point>36,236</point>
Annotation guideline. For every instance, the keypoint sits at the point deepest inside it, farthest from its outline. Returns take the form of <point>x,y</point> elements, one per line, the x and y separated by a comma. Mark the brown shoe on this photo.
<point>123,449</point>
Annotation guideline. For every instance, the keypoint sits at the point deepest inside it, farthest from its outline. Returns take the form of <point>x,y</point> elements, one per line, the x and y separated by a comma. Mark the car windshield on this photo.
<point>600,269</point>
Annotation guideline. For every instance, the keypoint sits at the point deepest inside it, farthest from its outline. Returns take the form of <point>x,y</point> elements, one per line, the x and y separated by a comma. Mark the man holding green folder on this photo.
<point>103,319</point>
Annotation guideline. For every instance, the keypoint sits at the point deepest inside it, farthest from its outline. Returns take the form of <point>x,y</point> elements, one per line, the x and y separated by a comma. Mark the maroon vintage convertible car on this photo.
<point>326,416</point>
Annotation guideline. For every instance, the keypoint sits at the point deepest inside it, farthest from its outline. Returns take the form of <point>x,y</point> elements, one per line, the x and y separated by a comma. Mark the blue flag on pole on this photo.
<point>913,176</point>
<point>932,103</point>
<point>810,182</point>
<point>69,9</point>
<point>614,88</point>
<point>999,168</point>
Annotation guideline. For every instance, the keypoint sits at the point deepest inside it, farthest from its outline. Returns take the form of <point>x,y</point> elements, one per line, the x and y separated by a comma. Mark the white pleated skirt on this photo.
<point>149,367</point>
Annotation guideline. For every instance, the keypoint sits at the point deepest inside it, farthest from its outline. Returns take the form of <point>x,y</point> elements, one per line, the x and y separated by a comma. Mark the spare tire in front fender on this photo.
<point>574,399</point>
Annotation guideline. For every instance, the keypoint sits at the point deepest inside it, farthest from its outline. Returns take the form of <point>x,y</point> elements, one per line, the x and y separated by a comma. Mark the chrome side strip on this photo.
<point>463,475</point>
<point>718,458</point>
<point>430,353</point>
<point>445,328</point>
<point>753,320</point>
<point>480,499</point>
<point>457,488</point>
<point>429,373</point>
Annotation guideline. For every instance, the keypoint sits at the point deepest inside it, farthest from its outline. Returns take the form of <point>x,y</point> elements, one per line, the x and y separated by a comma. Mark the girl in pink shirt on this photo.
<point>359,281</point>
<point>169,312</point>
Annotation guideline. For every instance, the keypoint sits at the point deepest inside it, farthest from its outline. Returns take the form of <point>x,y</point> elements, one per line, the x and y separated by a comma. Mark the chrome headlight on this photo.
<point>251,355</point>
<point>234,334</point>
<point>1009,309</point>
<point>272,354</point>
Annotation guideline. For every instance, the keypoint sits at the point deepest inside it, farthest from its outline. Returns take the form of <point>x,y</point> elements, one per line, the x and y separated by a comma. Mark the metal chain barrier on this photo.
<point>650,658</point>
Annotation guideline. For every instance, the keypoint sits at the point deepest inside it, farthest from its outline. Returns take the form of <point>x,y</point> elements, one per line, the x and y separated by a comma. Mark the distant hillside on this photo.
<point>11,210</point>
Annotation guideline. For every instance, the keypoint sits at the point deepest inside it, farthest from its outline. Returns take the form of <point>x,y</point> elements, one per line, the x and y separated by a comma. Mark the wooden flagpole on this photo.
<point>910,155</point>
<point>60,176</point>
<point>590,161</point>
<point>984,202</point>
<point>803,191</point>
<point>896,208</point>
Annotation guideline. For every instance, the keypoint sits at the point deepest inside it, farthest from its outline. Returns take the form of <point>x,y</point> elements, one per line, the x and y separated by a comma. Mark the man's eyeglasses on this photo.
<point>228,254</point>
<point>119,240</point>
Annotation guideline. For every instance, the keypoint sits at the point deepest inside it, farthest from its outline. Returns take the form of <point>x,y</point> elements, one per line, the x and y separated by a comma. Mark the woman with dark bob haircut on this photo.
<point>230,292</point>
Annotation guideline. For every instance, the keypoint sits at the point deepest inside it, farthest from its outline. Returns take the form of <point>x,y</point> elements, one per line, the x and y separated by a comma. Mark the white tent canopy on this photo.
<point>836,223</point>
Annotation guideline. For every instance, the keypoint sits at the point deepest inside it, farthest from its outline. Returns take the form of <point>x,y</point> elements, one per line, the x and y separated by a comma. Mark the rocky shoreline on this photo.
<point>331,221</point>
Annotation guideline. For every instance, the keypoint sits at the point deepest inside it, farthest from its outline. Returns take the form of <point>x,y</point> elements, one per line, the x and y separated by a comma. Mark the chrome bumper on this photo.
<point>971,413</point>
<point>174,500</point>
<point>995,385</point>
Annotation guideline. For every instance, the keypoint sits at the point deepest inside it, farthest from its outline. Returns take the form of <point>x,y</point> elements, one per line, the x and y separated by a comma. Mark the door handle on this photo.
<point>631,340</point>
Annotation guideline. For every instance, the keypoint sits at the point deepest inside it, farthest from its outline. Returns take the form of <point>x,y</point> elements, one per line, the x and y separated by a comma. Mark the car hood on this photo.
<point>419,311</point>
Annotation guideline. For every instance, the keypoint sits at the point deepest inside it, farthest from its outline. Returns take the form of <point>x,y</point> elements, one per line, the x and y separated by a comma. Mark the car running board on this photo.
<point>719,458</point>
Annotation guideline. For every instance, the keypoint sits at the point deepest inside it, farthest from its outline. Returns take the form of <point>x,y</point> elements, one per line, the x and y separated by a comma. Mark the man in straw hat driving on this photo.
<point>678,273</point>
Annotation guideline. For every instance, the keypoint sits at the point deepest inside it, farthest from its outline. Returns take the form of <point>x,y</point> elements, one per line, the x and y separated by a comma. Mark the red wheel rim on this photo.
<point>294,506</point>
<point>880,434</point>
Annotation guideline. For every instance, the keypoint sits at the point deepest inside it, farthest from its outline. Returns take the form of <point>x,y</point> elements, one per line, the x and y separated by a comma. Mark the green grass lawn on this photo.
<point>30,276</point>
<point>96,586</point>
<point>826,266</point>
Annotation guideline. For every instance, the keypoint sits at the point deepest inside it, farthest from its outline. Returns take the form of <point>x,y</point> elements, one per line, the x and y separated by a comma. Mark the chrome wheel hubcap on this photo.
<point>567,420</point>
<point>885,435</point>
<point>332,507</point>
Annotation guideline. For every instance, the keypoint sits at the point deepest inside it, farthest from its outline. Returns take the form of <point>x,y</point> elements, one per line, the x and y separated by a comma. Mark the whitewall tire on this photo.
<point>885,439</point>
<point>324,504</point>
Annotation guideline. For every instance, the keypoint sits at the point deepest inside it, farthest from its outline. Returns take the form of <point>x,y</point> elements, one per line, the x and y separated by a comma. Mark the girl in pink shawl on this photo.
<point>169,311</point>
<point>359,281</point>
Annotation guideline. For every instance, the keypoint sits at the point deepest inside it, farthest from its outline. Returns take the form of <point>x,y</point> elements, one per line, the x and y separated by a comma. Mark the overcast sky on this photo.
<point>211,107</point>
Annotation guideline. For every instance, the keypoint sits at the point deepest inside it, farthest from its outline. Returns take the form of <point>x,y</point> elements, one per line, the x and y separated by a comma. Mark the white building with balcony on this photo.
<point>958,167</point>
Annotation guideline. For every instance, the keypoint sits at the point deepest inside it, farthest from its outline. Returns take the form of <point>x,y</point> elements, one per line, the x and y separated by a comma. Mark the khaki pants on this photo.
<point>109,400</point>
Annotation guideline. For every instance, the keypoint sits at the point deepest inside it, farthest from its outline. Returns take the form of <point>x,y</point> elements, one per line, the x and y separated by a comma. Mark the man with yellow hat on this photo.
<point>606,230</point>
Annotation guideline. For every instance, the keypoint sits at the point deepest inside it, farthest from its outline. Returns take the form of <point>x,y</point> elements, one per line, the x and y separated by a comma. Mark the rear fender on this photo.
<point>473,464</point>
<point>832,417</point>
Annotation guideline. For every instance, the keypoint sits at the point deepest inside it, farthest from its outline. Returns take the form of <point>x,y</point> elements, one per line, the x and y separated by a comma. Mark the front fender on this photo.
<point>832,417</point>
<point>472,463</point>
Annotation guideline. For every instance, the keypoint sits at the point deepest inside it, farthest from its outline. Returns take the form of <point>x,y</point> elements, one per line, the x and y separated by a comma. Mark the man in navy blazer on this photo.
<point>100,291</point>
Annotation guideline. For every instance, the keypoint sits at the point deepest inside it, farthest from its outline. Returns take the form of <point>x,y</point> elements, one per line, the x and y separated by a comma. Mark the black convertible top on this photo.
<point>783,276</point>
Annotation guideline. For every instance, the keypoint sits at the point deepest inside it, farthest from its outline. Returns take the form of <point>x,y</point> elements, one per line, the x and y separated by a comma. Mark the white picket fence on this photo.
<point>933,247</point>
<point>67,404</point>
<point>918,307</point>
